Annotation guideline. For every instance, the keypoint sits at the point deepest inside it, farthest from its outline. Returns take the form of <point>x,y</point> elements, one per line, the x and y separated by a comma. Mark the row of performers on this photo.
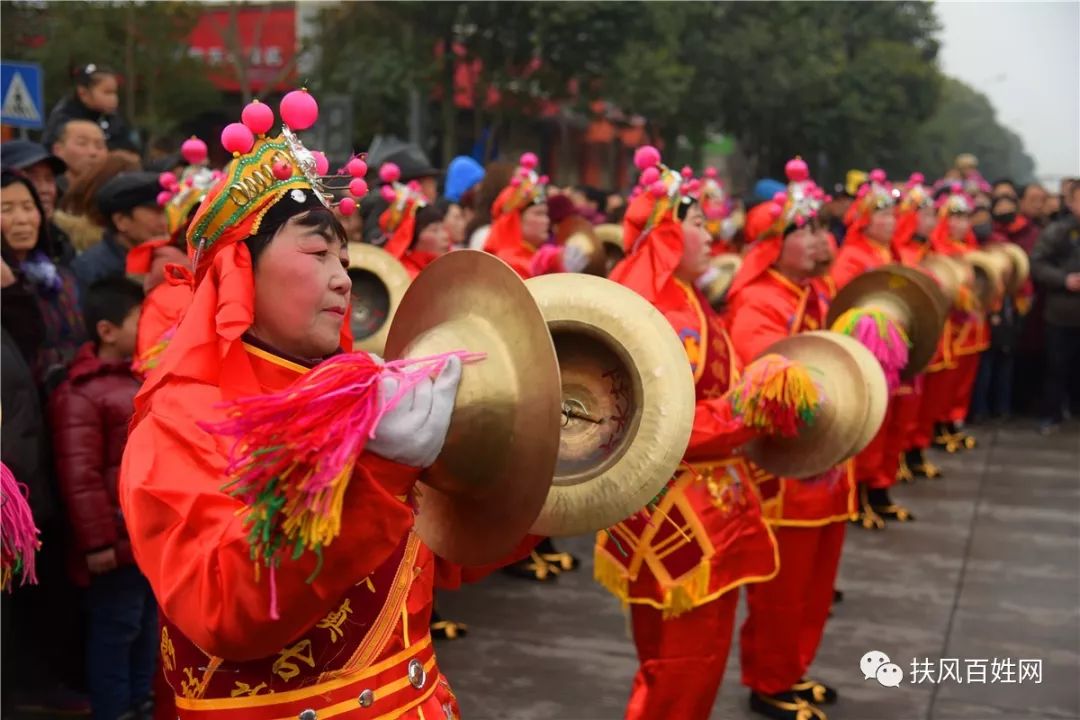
<point>294,507</point>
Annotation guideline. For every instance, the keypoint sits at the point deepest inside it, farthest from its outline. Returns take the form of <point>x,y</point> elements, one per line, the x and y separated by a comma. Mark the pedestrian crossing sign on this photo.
<point>22,95</point>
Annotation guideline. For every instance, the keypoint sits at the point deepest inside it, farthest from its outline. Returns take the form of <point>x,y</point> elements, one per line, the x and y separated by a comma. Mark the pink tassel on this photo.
<point>881,336</point>
<point>18,535</point>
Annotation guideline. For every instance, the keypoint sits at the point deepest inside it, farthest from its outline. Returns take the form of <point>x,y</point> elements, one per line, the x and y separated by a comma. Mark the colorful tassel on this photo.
<point>296,450</point>
<point>18,534</point>
<point>879,334</point>
<point>775,395</point>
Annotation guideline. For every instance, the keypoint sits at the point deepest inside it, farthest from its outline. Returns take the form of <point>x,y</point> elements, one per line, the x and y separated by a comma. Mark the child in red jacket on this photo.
<point>89,415</point>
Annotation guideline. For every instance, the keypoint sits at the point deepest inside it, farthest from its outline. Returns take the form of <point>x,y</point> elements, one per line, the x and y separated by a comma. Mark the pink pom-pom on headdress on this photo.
<point>797,170</point>
<point>358,187</point>
<point>163,197</point>
<point>194,151</point>
<point>387,193</point>
<point>877,175</point>
<point>780,198</point>
<point>543,180</point>
<point>166,179</point>
<point>299,110</point>
<point>322,165</point>
<point>389,172</point>
<point>775,209</point>
<point>646,156</point>
<point>347,206</point>
<point>687,172</point>
<point>710,172</point>
<point>258,117</point>
<point>649,175</point>
<point>357,167</point>
<point>237,138</point>
<point>282,170</point>
<point>658,189</point>
<point>917,178</point>
<point>529,161</point>
<point>515,181</point>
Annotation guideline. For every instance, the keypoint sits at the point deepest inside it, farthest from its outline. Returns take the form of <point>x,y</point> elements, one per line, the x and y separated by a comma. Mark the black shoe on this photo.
<point>945,438</point>
<point>785,706</point>
<point>966,439</point>
<point>534,568</point>
<point>920,466</point>
<point>814,692</point>
<point>442,629</point>
<point>882,504</point>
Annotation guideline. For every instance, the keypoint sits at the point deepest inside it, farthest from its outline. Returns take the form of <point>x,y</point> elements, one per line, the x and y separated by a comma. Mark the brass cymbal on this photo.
<point>905,299</point>
<point>951,275</point>
<point>628,402</point>
<point>991,270</point>
<point>379,282</point>
<point>1021,266</point>
<point>489,483</point>
<point>611,237</point>
<point>853,392</point>
<point>578,232</point>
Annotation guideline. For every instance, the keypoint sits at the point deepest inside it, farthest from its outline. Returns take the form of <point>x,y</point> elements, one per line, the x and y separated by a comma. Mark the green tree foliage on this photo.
<point>965,122</point>
<point>144,42</point>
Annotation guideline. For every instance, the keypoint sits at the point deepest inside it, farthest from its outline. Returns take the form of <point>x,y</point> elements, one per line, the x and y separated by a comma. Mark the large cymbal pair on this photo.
<point>575,419</point>
<point>1019,264</point>
<point>722,269</point>
<point>854,398</point>
<point>991,271</point>
<point>907,297</point>
<point>379,283</point>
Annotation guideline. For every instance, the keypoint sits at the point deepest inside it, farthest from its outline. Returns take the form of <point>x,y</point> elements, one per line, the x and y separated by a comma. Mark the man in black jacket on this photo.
<point>1055,265</point>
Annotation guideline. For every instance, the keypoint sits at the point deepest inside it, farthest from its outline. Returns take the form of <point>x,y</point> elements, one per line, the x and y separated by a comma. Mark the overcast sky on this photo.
<point>1025,56</point>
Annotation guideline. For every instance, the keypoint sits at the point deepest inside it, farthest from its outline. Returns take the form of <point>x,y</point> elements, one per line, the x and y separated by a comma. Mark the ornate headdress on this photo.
<point>875,194</point>
<point>915,194</point>
<point>179,196</point>
<point>665,188</point>
<point>526,188</point>
<point>263,171</point>
<point>955,202</point>
<point>398,221</point>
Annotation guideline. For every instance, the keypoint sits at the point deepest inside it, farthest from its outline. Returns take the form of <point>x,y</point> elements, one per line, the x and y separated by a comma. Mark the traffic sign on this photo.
<point>23,95</point>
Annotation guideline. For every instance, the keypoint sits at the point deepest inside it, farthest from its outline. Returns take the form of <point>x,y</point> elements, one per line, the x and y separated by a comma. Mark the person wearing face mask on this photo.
<point>683,620</point>
<point>773,297</point>
<point>520,227</point>
<point>95,98</point>
<point>951,375</point>
<point>128,202</point>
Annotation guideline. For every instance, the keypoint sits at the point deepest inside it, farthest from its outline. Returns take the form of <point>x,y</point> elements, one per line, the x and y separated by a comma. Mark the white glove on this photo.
<point>574,259</point>
<point>707,277</point>
<point>414,430</point>
<point>728,227</point>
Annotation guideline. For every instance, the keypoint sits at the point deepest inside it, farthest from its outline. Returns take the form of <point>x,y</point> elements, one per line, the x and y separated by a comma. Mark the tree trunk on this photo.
<point>449,111</point>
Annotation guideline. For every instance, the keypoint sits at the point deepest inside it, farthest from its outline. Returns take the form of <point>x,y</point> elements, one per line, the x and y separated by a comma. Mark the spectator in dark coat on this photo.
<point>40,300</point>
<point>1055,265</point>
<point>96,97</point>
<point>43,168</point>
<point>90,413</point>
<point>128,203</point>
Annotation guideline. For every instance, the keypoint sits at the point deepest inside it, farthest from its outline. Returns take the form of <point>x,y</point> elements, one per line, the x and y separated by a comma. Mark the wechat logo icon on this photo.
<point>877,666</point>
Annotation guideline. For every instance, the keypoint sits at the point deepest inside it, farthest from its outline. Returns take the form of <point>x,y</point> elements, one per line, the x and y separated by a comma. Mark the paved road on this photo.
<point>990,569</point>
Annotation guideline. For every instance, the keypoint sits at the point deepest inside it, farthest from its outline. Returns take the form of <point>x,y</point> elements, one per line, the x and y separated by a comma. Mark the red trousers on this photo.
<point>937,400</point>
<point>904,426</point>
<point>967,369</point>
<point>787,615</point>
<point>682,659</point>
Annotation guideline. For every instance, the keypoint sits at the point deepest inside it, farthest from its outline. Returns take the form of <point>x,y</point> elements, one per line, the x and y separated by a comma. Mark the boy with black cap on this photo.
<point>129,204</point>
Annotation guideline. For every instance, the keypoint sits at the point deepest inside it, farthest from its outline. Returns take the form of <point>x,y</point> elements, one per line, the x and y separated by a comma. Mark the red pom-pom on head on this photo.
<point>649,175</point>
<point>877,175</point>
<point>917,178</point>
<point>687,172</point>
<point>163,197</point>
<point>282,170</point>
<point>357,167</point>
<point>529,161</point>
<point>166,179</point>
<point>389,172</point>
<point>237,138</point>
<point>322,165</point>
<point>194,151</point>
<point>299,110</point>
<point>797,170</point>
<point>347,206</point>
<point>693,186</point>
<point>710,172</point>
<point>258,117</point>
<point>358,187</point>
<point>646,156</point>
<point>658,189</point>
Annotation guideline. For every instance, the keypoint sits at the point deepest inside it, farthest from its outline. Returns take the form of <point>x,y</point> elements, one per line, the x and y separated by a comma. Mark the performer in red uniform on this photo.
<point>414,227</point>
<point>772,297</point>
<point>966,334</point>
<point>520,227</point>
<point>275,606</point>
<point>679,563</point>
<point>915,221</point>
<point>868,244</point>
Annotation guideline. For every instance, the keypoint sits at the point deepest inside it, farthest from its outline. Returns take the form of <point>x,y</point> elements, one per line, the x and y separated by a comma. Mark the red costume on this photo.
<point>678,564</point>
<point>787,615</point>
<point>398,221</point>
<point>341,632</point>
